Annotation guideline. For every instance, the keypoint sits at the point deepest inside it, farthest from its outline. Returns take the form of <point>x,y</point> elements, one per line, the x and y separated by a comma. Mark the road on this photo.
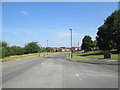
<point>56,72</point>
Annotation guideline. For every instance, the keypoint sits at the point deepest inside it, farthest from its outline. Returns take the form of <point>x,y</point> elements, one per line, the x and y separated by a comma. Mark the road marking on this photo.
<point>77,75</point>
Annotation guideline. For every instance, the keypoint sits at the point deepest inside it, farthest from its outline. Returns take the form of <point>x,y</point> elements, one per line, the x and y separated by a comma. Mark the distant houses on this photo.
<point>74,49</point>
<point>52,50</point>
<point>65,49</point>
<point>59,49</point>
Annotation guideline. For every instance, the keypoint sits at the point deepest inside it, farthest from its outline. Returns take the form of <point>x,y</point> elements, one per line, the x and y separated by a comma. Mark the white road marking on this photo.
<point>77,75</point>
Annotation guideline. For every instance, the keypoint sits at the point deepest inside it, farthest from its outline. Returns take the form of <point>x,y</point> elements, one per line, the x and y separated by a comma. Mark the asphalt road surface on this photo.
<point>56,72</point>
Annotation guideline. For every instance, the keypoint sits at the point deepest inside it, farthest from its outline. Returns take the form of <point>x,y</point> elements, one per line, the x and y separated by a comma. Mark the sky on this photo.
<point>23,22</point>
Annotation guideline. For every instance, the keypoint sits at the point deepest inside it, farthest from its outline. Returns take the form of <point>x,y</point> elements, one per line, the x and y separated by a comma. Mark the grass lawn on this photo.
<point>77,58</point>
<point>27,56</point>
<point>91,55</point>
<point>98,55</point>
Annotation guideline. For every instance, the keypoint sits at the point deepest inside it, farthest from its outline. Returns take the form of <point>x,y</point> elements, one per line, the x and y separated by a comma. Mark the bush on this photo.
<point>31,47</point>
<point>16,50</point>
<point>6,50</point>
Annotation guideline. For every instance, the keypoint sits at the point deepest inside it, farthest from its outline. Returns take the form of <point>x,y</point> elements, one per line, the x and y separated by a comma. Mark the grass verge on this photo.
<point>98,55</point>
<point>77,58</point>
<point>27,56</point>
<point>84,57</point>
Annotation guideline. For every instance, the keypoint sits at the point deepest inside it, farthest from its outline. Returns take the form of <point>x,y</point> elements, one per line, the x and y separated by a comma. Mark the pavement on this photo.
<point>55,71</point>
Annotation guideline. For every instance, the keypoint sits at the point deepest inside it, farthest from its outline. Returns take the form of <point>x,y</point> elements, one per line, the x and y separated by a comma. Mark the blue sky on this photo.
<point>26,22</point>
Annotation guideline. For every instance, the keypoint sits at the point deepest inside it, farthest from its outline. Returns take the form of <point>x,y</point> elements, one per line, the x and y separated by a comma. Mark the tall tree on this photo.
<point>116,29</point>
<point>108,35</point>
<point>103,38</point>
<point>87,43</point>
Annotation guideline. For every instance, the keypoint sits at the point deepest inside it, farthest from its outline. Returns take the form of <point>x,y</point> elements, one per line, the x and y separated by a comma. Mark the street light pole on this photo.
<point>78,48</point>
<point>71,42</point>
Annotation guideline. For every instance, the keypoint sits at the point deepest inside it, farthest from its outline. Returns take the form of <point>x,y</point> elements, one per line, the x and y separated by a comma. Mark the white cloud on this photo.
<point>66,34</point>
<point>24,12</point>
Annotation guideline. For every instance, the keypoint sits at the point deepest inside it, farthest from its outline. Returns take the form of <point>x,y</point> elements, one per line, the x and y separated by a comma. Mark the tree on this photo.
<point>31,47</point>
<point>4,49</point>
<point>87,43</point>
<point>3,44</point>
<point>48,49</point>
<point>16,50</point>
<point>116,29</point>
<point>108,35</point>
<point>103,38</point>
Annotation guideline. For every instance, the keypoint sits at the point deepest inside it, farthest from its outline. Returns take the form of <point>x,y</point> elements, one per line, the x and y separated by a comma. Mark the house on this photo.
<point>64,49</point>
<point>52,50</point>
<point>76,48</point>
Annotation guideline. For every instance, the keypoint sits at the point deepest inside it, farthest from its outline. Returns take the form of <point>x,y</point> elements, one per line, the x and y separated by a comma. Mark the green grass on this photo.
<point>98,55</point>
<point>15,57</point>
<point>77,58</point>
<point>28,56</point>
<point>87,56</point>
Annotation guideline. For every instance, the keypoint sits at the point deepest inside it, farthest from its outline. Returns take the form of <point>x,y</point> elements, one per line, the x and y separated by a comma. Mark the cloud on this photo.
<point>24,12</point>
<point>66,34</point>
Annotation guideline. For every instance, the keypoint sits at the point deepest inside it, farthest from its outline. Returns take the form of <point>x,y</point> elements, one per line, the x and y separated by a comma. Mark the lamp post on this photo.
<point>71,42</point>
<point>78,48</point>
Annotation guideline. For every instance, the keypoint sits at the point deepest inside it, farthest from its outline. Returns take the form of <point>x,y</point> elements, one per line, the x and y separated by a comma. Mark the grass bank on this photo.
<point>87,56</point>
<point>99,55</point>
<point>28,56</point>
<point>76,57</point>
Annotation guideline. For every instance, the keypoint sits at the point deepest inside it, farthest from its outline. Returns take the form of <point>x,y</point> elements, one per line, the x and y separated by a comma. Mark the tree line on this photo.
<point>108,35</point>
<point>31,47</point>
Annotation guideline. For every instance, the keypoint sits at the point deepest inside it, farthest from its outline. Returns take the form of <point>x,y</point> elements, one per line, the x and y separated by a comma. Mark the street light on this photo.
<point>71,42</point>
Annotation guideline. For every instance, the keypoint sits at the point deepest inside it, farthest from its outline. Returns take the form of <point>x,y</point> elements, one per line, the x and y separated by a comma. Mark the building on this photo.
<point>76,48</point>
<point>52,50</point>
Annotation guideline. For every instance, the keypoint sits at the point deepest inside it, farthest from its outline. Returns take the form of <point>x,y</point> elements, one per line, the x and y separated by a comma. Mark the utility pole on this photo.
<point>71,42</point>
